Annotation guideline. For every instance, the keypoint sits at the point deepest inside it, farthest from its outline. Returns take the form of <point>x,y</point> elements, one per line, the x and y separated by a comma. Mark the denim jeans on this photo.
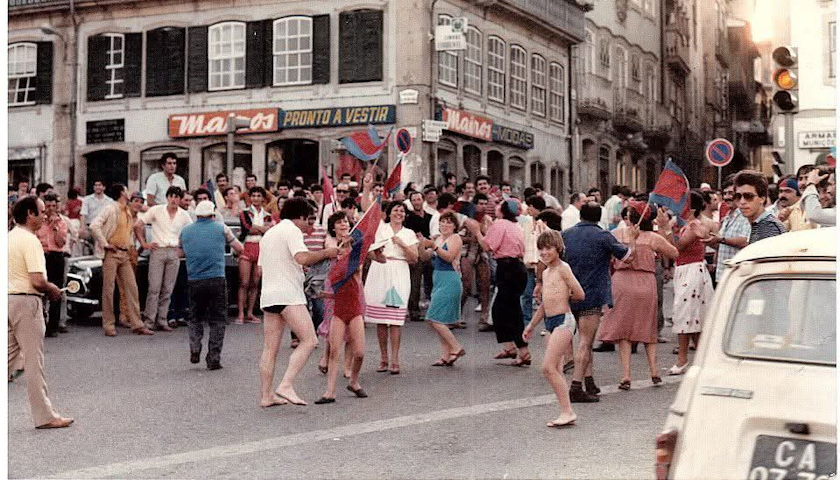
<point>208,300</point>
<point>527,298</point>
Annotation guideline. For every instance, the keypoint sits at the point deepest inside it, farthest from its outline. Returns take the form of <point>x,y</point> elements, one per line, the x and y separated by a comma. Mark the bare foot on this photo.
<point>239,320</point>
<point>290,395</point>
<point>562,421</point>
<point>274,400</point>
<point>254,319</point>
<point>347,373</point>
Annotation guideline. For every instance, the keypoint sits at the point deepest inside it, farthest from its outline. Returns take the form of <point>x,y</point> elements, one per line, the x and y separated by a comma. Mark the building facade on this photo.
<point>160,76</point>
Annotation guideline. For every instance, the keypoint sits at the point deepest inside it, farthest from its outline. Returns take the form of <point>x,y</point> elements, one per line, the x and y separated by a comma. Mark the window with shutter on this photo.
<point>97,76</point>
<point>360,46</point>
<point>226,56</point>
<point>496,67</point>
<point>115,66</point>
<point>321,49</point>
<point>292,51</point>
<point>197,68</point>
<point>165,61</point>
<point>23,68</point>
<point>44,75</point>
<point>133,60</point>
<point>255,60</point>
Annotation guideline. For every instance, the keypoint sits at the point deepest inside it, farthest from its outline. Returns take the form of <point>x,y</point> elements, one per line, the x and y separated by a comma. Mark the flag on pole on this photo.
<point>211,187</point>
<point>362,237</point>
<point>329,194</point>
<point>366,144</point>
<point>671,190</point>
<point>394,181</point>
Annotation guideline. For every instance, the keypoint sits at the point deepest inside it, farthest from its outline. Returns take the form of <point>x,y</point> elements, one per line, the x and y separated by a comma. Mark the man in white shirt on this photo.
<point>571,215</point>
<point>167,221</point>
<point>91,206</point>
<point>342,191</point>
<point>158,183</point>
<point>283,299</point>
<point>611,213</point>
<point>550,200</point>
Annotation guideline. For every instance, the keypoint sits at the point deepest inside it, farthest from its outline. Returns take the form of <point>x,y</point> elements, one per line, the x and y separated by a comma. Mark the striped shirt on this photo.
<point>765,226</point>
<point>735,225</point>
<point>315,241</point>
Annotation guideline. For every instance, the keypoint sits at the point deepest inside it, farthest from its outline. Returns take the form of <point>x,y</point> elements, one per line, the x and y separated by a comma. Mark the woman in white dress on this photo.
<point>388,283</point>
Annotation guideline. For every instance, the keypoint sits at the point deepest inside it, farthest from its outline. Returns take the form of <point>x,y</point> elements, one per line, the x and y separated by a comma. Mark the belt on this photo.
<point>28,294</point>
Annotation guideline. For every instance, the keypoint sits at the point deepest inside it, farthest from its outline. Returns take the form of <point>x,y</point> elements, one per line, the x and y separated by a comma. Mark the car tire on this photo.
<point>80,313</point>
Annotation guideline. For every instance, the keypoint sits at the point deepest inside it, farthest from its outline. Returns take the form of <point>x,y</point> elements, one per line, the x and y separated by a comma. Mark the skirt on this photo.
<point>387,289</point>
<point>445,306</point>
<point>633,316</point>
<point>692,296</point>
<point>511,278</point>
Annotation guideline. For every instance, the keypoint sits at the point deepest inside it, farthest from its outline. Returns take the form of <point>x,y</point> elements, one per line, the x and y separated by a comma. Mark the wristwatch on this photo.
<point>723,241</point>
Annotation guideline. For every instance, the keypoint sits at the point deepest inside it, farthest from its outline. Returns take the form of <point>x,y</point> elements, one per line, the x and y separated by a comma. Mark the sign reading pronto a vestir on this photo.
<point>338,117</point>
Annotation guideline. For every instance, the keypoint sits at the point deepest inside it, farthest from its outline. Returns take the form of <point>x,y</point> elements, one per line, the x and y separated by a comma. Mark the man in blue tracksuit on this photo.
<point>203,243</point>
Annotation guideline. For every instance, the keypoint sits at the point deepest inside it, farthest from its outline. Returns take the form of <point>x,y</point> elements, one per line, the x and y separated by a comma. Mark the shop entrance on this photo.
<point>287,159</point>
<point>107,166</point>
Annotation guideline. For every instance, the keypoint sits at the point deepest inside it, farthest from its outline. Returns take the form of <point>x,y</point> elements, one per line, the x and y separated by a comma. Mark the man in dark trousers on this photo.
<point>203,243</point>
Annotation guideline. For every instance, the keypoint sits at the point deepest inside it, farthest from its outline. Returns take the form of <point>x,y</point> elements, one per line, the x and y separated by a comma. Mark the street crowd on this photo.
<point>617,269</point>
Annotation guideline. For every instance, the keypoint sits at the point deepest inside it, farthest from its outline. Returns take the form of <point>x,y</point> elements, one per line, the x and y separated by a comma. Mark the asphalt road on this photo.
<point>143,411</point>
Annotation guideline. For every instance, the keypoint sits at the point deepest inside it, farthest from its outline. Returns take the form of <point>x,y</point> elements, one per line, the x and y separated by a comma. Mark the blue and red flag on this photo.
<point>211,187</point>
<point>671,190</point>
<point>366,144</point>
<point>466,208</point>
<point>394,181</point>
<point>362,237</point>
<point>329,193</point>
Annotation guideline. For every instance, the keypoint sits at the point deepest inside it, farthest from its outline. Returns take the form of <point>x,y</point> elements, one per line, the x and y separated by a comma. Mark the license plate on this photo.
<point>781,458</point>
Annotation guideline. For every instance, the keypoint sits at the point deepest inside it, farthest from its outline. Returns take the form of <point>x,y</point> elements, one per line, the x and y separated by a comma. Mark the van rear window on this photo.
<point>785,319</point>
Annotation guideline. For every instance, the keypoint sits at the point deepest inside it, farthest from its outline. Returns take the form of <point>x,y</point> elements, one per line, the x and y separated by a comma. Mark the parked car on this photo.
<point>87,272</point>
<point>760,400</point>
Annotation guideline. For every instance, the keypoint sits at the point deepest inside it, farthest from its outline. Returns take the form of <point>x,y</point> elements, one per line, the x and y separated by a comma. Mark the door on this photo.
<point>107,166</point>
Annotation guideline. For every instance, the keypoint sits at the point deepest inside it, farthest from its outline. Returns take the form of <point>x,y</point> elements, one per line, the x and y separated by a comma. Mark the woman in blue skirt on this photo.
<point>445,307</point>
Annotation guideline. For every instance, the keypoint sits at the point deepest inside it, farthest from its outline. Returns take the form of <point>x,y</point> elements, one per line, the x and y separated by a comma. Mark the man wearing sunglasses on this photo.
<point>342,191</point>
<point>750,196</point>
<point>734,231</point>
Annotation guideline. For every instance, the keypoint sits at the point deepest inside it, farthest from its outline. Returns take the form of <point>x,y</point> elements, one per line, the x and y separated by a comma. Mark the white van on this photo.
<point>760,400</point>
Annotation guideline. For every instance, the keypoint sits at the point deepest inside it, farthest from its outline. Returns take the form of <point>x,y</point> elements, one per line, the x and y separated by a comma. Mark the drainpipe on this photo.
<point>433,88</point>
<point>75,94</point>
<point>572,119</point>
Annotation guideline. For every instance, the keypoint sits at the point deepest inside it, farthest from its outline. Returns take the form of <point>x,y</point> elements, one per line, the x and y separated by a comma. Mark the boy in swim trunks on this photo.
<point>559,285</point>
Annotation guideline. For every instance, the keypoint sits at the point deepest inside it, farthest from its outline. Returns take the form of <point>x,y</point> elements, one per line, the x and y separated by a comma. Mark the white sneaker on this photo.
<point>677,370</point>
<point>478,308</point>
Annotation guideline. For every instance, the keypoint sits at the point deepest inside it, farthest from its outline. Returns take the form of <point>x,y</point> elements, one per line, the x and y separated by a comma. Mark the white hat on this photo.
<point>205,208</point>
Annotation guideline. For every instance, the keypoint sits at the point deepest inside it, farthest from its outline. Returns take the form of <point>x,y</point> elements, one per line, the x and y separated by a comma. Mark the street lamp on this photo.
<point>234,124</point>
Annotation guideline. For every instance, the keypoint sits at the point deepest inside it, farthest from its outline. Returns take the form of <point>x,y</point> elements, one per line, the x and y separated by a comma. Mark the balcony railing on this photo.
<point>594,97</point>
<point>676,51</point>
<point>565,15</point>
<point>627,110</point>
<point>37,3</point>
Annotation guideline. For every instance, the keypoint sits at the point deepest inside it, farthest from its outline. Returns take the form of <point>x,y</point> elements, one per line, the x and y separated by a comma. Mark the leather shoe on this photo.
<point>604,347</point>
<point>164,327</point>
<point>62,329</point>
<point>214,366</point>
<point>195,357</point>
<point>142,331</point>
<point>577,395</point>
<point>110,333</point>
<point>56,423</point>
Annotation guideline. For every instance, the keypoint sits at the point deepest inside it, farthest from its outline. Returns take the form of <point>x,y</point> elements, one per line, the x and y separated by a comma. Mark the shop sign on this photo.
<point>447,39</point>
<point>338,117</point>
<point>468,124</point>
<point>822,139</point>
<point>105,131</point>
<point>511,136</point>
<point>215,123</point>
<point>432,129</point>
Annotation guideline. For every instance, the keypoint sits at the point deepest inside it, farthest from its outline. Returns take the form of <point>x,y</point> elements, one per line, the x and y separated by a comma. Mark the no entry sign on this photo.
<point>403,141</point>
<point>719,152</point>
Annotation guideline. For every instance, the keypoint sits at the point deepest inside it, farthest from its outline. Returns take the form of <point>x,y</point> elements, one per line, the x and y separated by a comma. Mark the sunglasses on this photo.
<point>342,191</point>
<point>746,196</point>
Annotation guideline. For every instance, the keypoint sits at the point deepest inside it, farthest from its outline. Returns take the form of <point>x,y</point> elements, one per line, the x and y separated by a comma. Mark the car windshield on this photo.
<point>789,319</point>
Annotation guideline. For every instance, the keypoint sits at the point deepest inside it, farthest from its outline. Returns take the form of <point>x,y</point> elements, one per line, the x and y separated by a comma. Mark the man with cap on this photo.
<point>791,212</point>
<point>203,243</point>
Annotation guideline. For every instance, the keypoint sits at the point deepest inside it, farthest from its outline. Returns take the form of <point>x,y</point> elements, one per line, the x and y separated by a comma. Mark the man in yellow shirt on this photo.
<point>27,283</point>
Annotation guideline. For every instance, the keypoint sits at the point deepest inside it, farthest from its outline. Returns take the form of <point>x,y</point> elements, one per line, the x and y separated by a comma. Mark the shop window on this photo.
<point>214,161</point>
<point>288,159</point>
<point>538,85</point>
<point>22,71</point>
<point>226,56</point>
<point>107,166</point>
<point>557,95</point>
<point>360,46</point>
<point>447,61</point>
<point>472,161</point>
<point>495,167</point>
<point>446,158</point>
<point>150,163</point>
<point>496,56</point>
<point>472,61</point>
<point>292,49</point>
<point>516,173</point>
<point>518,78</point>
<point>114,65</point>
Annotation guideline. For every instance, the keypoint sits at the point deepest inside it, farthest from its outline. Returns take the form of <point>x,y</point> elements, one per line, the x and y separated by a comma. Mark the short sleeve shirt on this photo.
<point>589,251</point>
<point>282,282</point>
<point>25,256</point>
<point>92,206</point>
<point>391,250</point>
<point>506,239</point>
<point>158,184</point>
<point>765,226</point>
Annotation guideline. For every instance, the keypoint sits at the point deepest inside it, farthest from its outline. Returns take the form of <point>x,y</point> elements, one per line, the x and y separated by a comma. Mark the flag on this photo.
<point>366,144</point>
<point>362,237</point>
<point>394,181</point>
<point>211,187</point>
<point>466,208</point>
<point>671,190</point>
<point>329,193</point>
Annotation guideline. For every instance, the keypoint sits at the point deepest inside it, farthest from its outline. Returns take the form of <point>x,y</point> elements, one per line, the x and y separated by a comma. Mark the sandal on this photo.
<point>383,367</point>
<point>454,357</point>
<point>394,369</point>
<point>522,362</point>
<point>441,363</point>
<point>624,385</point>
<point>323,369</point>
<point>505,354</point>
<point>656,381</point>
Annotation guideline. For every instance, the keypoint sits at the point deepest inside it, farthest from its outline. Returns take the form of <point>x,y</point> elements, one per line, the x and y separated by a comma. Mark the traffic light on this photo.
<point>786,79</point>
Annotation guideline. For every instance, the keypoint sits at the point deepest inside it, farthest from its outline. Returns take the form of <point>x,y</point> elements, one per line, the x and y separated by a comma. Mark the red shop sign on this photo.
<point>468,124</point>
<point>215,123</point>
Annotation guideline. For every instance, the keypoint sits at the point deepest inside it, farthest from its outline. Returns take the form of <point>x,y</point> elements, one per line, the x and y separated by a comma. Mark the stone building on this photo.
<point>101,90</point>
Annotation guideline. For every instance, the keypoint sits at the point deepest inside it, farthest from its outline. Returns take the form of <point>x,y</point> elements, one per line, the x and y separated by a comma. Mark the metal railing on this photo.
<point>562,14</point>
<point>36,3</point>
